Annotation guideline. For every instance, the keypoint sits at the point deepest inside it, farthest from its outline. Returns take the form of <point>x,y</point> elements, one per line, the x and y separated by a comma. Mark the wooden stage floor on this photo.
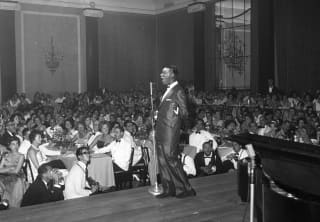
<point>216,201</point>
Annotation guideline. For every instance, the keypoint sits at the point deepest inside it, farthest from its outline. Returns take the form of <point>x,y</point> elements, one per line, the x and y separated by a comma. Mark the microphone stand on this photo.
<point>156,189</point>
<point>252,181</point>
<point>252,166</point>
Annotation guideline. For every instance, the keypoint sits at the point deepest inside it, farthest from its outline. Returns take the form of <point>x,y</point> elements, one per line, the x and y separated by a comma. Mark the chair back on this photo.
<point>26,167</point>
<point>145,155</point>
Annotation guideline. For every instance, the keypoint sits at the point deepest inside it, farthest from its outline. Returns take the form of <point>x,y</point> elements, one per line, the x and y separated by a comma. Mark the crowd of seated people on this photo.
<point>120,123</point>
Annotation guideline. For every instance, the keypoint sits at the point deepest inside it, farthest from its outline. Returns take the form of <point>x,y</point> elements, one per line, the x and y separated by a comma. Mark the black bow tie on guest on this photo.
<point>198,132</point>
<point>118,141</point>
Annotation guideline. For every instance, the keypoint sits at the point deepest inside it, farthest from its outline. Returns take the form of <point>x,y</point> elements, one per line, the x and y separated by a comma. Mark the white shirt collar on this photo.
<point>173,84</point>
<point>45,183</point>
<point>82,165</point>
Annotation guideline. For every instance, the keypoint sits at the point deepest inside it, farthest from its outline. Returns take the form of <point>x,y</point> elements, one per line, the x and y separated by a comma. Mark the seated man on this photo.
<point>207,161</point>
<point>76,184</point>
<point>45,188</point>
<point>200,135</point>
<point>230,154</point>
<point>120,150</point>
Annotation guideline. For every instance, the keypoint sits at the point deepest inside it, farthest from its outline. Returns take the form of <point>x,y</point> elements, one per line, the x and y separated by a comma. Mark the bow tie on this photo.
<point>118,141</point>
<point>198,132</point>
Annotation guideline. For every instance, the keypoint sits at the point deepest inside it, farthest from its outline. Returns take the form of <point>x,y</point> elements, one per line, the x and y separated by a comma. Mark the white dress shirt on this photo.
<point>24,147</point>
<point>188,164</point>
<point>120,151</point>
<point>75,182</point>
<point>168,89</point>
<point>137,155</point>
<point>197,140</point>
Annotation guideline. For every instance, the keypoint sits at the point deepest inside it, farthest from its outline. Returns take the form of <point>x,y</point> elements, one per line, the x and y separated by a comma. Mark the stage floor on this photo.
<point>216,201</point>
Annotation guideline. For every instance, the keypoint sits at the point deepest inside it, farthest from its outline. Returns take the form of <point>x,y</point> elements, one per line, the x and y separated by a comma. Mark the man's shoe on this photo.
<point>4,204</point>
<point>185,194</point>
<point>163,195</point>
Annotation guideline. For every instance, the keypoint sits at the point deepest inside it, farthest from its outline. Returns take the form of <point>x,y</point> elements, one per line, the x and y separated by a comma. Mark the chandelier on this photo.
<point>52,58</point>
<point>233,52</point>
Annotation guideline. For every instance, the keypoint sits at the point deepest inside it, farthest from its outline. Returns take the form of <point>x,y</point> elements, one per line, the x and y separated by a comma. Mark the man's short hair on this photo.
<point>118,127</point>
<point>80,150</point>
<point>33,135</point>
<point>174,69</point>
<point>209,142</point>
<point>44,168</point>
<point>25,131</point>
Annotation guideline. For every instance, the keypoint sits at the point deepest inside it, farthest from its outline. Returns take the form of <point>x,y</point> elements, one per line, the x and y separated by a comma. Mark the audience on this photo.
<point>116,122</point>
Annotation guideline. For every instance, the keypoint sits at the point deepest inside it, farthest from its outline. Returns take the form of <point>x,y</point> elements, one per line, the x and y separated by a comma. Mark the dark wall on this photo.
<point>297,36</point>
<point>7,54</point>
<point>126,50</point>
<point>175,42</point>
<point>285,44</point>
<point>262,42</point>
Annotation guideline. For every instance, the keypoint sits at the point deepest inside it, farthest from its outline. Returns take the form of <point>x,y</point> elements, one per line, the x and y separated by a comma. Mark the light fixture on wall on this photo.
<point>10,5</point>
<point>93,11</point>
<point>52,58</point>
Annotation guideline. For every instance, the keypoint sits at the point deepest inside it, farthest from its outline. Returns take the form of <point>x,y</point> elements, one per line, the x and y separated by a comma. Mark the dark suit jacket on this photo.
<point>6,138</point>
<point>199,162</point>
<point>38,193</point>
<point>171,112</point>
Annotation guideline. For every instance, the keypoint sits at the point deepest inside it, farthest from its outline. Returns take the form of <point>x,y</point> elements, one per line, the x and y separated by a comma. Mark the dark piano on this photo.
<point>287,179</point>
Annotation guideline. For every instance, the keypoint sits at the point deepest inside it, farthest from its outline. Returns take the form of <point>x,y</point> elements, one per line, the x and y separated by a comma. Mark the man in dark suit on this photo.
<point>44,189</point>
<point>207,161</point>
<point>171,111</point>
<point>9,133</point>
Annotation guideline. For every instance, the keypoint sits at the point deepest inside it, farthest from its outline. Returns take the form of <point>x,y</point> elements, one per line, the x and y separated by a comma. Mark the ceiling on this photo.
<point>135,6</point>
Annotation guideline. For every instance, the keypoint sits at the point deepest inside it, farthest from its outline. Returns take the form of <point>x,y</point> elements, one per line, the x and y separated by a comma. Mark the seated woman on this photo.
<point>11,175</point>
<point>71,133</point>
<point>83,135</point>
<point>37,156</point>
<point>103,139</point>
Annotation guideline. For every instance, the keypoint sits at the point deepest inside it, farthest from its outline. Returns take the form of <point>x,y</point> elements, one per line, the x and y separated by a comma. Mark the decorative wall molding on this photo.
<point>23,71</point>
<point>150,7</point>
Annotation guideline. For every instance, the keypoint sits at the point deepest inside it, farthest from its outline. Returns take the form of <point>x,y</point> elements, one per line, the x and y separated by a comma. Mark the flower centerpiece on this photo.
<point>61,140</point>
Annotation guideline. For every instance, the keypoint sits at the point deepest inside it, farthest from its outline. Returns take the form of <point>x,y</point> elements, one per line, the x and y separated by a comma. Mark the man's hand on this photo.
<point>94,188</point>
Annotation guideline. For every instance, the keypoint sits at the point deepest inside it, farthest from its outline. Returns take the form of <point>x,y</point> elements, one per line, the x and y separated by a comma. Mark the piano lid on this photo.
<point>293,165</point>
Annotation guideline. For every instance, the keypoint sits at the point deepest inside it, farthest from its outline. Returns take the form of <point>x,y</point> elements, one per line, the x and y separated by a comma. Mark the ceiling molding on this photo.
<point>149,7</point>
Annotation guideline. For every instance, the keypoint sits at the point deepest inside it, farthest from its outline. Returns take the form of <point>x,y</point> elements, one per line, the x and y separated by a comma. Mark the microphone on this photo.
<point>151,88</point>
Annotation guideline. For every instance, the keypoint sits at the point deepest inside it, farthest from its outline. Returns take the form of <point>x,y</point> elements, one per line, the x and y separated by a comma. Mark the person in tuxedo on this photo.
<point>172,110</point>
<point>208,161</point>
<point>272,89</point>
<point>45,188</point>
<point>200,135</point>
